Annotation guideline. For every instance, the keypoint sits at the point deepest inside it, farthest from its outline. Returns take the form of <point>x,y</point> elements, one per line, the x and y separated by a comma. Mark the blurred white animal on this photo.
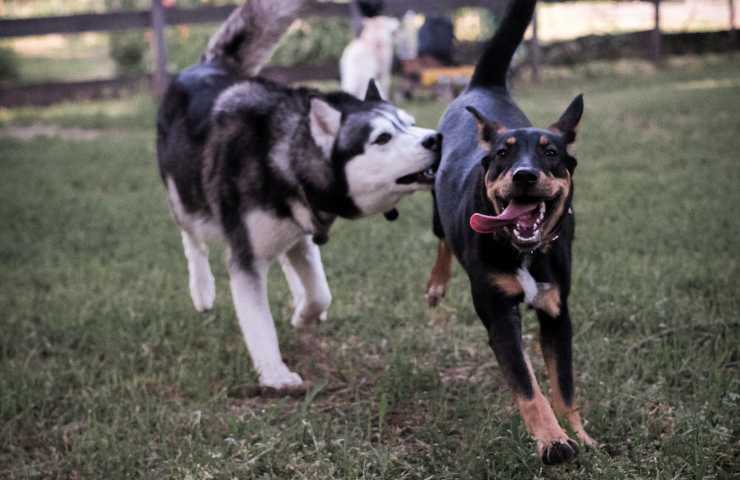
<point>369,56</point>
<point>407,38</point>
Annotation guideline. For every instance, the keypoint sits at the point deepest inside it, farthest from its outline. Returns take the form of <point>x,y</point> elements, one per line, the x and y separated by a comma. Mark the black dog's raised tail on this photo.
<point>494,63</point>
<point>246,40</point>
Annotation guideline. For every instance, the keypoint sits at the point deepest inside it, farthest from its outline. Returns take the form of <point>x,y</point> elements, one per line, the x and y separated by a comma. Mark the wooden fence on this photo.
<point>158,18</point>
<point>126,20</point>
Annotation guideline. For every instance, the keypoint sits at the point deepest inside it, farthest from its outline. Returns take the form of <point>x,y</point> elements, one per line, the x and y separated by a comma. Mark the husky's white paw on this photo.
<point>308,315</point>
<point>311,312</point>
<point>280,377</point>
<point>203,291</point>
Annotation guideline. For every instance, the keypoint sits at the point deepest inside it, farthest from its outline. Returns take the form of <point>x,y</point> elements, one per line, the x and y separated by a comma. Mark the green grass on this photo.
<point>106,370</point>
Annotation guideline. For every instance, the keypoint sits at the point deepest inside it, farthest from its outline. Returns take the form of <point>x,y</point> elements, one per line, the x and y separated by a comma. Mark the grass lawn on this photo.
<point>107,371</point>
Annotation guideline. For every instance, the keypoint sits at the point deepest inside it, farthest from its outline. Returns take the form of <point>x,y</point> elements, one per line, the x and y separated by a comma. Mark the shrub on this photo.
<point>127,49</point>
<point>186,43</point>
<point>314,41</point>
<point>8,64</point>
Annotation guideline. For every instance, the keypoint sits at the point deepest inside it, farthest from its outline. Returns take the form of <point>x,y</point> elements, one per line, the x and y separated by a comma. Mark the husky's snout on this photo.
<point>433,142</point>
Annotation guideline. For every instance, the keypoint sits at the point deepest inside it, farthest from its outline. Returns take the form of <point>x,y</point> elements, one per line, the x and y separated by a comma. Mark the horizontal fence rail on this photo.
<point>128,20</point>
<point>44,94</point>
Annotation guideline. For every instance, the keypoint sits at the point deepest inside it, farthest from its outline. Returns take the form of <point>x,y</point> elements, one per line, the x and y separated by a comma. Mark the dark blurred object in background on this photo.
<point>370,8</point>
<point>437,39</point>
<point>9,61</point>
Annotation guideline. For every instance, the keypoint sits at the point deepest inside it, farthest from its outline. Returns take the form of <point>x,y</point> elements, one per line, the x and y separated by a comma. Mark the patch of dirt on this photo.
<point>317,359</point>
<point>661,420</point>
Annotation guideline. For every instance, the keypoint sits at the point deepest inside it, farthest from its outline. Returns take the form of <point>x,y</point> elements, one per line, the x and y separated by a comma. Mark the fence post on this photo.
<point>535,57</point>
<point>160,48</point>
<point>655,47</point>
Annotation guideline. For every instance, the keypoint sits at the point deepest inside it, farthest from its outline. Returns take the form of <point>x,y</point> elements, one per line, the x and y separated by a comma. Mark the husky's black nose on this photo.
<point>433,142</point>
<point>525,177</point>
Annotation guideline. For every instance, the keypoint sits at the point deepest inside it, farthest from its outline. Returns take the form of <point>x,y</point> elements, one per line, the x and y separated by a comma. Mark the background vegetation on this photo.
<point>106,371</point>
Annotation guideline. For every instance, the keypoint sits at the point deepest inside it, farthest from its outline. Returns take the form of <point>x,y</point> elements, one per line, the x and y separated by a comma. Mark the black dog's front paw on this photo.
<point>559,452</point>
<point>435,294</point>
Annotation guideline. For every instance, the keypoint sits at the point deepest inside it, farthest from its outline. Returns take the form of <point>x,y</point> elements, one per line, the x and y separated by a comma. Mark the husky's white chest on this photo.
<point>269,236</point>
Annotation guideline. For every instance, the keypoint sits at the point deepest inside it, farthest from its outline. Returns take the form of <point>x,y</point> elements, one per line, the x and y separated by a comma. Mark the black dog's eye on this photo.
<point>551,152</point>
<point>502,152</point>
<point>383,138</point>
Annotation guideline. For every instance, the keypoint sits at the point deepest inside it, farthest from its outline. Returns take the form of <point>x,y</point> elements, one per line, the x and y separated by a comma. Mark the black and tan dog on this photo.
<point>503,197</point>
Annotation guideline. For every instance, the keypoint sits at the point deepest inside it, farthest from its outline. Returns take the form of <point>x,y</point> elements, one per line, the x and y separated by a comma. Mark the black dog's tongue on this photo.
<point>391,215</point>
<point>488,224</point>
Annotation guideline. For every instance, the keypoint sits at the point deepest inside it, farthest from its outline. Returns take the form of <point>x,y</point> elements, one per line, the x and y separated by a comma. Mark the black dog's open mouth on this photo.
<point>524,217</point>
<point>425,177</point>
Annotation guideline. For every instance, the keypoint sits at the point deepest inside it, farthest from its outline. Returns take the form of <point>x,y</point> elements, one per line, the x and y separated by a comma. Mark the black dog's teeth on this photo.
<point>536,233</point>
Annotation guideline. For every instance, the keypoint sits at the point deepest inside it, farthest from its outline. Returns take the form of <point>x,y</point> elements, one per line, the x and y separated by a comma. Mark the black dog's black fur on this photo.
<point>474,154</point>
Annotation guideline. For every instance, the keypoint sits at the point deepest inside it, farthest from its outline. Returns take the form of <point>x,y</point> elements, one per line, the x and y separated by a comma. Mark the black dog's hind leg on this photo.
<point>556,341</point>
<point>500,315</point>
<point>441,273</point>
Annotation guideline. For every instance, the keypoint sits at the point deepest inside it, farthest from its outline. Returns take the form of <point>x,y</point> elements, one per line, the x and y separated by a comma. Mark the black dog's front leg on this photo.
<point>500,315</point>
<point>556,335</point>
<point>501,319</point>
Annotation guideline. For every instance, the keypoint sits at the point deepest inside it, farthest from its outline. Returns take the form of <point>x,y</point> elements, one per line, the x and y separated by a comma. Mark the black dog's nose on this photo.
<point>432,142</point>
<point>525,177</point>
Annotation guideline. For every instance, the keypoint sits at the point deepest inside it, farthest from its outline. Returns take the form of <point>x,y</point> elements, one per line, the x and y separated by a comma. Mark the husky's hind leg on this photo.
<point>202,284</point>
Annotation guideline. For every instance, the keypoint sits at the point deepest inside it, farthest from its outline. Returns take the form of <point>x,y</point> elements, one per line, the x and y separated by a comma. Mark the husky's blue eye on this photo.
<point>383,138</point>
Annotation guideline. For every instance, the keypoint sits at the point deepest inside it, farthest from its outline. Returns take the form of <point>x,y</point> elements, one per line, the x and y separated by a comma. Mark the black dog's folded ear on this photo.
<point>568,122</point>
<point>487,130</point>
<point>372,94</point>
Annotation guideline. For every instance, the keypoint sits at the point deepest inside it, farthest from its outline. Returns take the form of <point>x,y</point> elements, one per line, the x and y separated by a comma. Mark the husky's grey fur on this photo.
<point>267,168</point>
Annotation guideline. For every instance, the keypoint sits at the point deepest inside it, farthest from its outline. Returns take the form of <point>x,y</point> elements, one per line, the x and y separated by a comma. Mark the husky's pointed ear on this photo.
<point>372,94</point>
<point>568,122</point>
<point>487,130</point>
<point>325,121</point>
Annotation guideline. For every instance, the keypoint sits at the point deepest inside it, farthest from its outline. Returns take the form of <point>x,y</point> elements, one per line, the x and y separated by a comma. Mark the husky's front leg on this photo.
<point>305,274</point>
<point>249,291</point>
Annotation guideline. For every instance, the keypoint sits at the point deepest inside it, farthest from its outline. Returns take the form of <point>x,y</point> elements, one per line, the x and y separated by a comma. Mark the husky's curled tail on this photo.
<point>248,37</point>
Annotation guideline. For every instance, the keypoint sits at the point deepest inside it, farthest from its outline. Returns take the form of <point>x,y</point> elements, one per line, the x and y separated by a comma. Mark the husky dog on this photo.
<point>267,168</point>
<point>369,56</point>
